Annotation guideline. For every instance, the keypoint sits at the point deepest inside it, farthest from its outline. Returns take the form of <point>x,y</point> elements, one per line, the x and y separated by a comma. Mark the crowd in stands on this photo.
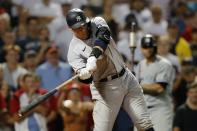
<point>34,40</point>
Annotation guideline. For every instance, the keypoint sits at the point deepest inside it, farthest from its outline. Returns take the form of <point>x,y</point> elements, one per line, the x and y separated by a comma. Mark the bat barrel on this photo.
<point>36,102</point>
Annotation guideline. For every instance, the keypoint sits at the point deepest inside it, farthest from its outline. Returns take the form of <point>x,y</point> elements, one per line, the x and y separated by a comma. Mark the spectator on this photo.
<point>193,46</point>
<point>43,44</point>
<point>188,20</point>
<point>124,41</point>
<point>119,9</point>
<point>186,114</point>
<point>164,4</point>
<point>35,119</point>
<point>4,98</point>
<point>32,33</point>
<point>163,49</point>
<point>179,46</point>
<point>78,4</point>
<point>53,72</point>
<point>21,19</point>
<point>113,25</point>
<point>178,12</point>
<point>22,37</point>
<point>27,5</point>
<point>186,77</point>
<point>11,68</point>
<point>9,38</point>
<point>73,110</point>
<point>141,11</point>
<point>157,25</point>
<point>4,25</point>
<point>46,8</point>
<point>59,31</point>
<point>30,61</point>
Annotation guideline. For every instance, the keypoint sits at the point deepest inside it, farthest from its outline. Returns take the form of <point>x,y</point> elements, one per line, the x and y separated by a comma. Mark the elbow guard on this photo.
<point>101,42</point>
<point>102,37</point>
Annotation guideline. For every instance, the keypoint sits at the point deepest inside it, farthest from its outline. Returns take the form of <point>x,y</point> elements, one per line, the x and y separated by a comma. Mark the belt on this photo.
<point>121,73</point>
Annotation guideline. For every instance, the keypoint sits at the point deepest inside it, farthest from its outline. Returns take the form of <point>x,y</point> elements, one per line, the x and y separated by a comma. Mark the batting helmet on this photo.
<point>148,41</point>
<point>76,18</point>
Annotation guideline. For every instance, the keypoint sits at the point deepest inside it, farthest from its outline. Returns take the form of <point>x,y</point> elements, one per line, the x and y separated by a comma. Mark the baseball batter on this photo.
<point>93,55</point>
<point>156,75</point>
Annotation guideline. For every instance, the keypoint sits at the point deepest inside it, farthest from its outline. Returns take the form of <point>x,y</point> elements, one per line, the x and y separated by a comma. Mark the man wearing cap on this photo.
<point>53,72</point>
<point>30,61</point>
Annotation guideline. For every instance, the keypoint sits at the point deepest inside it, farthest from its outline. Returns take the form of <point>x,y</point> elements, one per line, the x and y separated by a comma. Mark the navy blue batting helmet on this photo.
<point>76,18</point>
<point>148,41</point>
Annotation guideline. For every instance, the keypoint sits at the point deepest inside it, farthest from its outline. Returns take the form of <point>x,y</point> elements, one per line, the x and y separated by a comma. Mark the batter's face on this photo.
<point>81,32</point>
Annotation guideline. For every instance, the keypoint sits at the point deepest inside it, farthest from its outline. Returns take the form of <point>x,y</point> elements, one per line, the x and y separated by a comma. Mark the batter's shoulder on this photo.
<point>75,45</point>
<point>97,19</point>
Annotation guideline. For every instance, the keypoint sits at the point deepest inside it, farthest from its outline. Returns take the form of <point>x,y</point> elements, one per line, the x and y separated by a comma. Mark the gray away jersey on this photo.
<point>159,71</point>
<point>79,50</point>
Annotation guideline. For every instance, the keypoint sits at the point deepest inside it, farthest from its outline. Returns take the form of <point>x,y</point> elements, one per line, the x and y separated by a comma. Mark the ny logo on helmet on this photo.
<point>78,18</point>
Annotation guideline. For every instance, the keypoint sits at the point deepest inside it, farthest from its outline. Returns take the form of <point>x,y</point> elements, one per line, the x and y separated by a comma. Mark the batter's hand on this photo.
<point>91,63</point>
<point>84,74</point>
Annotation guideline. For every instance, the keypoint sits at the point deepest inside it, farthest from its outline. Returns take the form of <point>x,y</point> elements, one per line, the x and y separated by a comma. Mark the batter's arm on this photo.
<point>102,34</point>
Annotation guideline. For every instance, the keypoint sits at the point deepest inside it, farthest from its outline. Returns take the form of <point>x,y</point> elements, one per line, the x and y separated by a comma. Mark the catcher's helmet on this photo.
<point>148,41</point>
<point>76,18</point>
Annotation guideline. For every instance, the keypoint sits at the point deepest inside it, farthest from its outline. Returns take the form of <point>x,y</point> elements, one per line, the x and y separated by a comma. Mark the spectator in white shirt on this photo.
<point>46,8</point>
<point>163,49</point>
<point>141,11</point>
<point>124,40</point>
<point>157,25</point>
<point>59,31</point>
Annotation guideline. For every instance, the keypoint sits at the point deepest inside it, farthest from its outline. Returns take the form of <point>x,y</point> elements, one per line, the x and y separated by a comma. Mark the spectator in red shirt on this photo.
<point>4,93</point>
<point>36,118</point>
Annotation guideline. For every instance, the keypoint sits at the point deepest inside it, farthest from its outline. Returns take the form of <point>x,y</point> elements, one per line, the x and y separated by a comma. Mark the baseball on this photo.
<point>67,103</point>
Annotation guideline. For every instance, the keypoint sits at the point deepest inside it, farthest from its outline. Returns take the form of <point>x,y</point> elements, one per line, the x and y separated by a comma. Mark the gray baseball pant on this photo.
<point>111,95</point>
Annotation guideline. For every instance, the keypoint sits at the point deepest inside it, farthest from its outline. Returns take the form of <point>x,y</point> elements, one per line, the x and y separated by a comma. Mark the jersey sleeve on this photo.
<point>77,63</point>
<point>165,73</point>
<point>75,59</point>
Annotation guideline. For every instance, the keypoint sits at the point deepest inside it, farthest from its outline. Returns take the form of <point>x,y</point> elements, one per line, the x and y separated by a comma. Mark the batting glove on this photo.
<point>84,74</point>
<point>91,63</point>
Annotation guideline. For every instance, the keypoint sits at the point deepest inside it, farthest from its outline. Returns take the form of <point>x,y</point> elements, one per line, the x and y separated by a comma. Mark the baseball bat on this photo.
<point>42,98</point>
